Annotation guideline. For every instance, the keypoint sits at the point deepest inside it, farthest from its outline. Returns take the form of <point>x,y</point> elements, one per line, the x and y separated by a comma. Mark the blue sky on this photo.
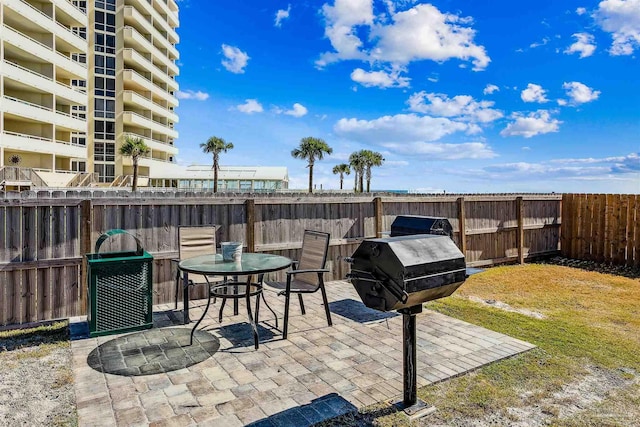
<point>458,96</point>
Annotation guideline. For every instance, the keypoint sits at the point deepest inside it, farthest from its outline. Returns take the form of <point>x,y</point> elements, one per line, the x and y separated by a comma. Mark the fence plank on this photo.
<point>623,228</point>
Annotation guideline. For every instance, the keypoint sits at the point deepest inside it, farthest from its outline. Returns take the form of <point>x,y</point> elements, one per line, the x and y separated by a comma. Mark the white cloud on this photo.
<point>536,123</point>
<point>462,107</point>
<point>584,45</point>
<point>190,94</point>
<point>420,33</point>
<point>298,110</point>
<point>236,59</point>
<point>441,151</point>
<point>579,93</point>
<point>534,93</point>
<point>489,89</point>
<point>381,79</point>
<point>397,129</point>
<point>581,11</point>
<point>341,21</point>
<point>250,106</point>
<point>281,15</point>
<point>584,169</point>
<point>621,18</point>
<point>544,41</point>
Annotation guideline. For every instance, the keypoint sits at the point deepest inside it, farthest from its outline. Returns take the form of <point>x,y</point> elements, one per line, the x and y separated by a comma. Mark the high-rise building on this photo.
<point>77,77</point>
<point>42,114</point>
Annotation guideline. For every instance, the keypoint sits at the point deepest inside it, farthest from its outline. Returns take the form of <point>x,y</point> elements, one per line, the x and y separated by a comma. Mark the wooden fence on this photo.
<point>602,227</point>
<point>43,241</point>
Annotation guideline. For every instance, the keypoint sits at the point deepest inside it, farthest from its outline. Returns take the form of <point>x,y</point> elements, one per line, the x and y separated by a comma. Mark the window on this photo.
<point>104,108</point>
<point>79,111</point>
<point>80,31</point>
<point>104,130</point>
<point>105,87</point>
<point>81,4</point>
<point>106,173</point>
<point>105,43</point>
<point>78,165</point>
<point>106,4</point>
<point>79,57</point>
<point>105,65</point>
<point>105,21</point>
<point>104,151</point>
<point>79,139</point>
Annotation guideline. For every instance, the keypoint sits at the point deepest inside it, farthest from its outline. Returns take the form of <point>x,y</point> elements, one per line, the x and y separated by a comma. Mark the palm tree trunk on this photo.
<point>368,179</point>
<point>341,179</point>
<point>361,181</point>
<point>134,186</point>
<point>355,184</point>
<point>310,177</point>
<point>215,173</point>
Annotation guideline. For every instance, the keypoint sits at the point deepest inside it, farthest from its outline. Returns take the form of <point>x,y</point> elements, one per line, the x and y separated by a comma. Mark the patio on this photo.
<point>317,373</point>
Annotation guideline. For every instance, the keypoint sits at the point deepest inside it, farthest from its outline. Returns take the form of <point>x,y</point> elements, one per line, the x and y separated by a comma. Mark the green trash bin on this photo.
<point>120,289</point>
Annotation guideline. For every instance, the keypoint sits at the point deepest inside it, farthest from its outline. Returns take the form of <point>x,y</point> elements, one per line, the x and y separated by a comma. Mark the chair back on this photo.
<point>195,241</point>
<point>315,246</point>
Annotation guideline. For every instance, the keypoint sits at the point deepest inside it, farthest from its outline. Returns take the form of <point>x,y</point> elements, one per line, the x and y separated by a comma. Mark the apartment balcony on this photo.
<point>73,16</point>
<point>133,80</point>
<point>154,145</point>
<point>145,7</point>
<point>36,51</point>
<point>135,19</point>
<point>136,40</point>
<point>132,57</point>
<point>136,120</point>
<point>37,113</point>
<point>26,13</point>
<point>140,102</point>
<point>27,77</point>
<point>31,143</point>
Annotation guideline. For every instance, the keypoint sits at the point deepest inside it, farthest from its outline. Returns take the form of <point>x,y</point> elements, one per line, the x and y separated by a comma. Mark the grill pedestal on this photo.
<point>410,404</point>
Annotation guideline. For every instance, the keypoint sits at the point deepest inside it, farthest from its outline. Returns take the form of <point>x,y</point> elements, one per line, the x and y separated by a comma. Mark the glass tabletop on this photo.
<point>250,263</point>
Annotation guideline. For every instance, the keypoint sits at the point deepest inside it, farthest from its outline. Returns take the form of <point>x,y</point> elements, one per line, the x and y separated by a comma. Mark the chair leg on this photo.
<point>177,289</point>
<point>224,301</point>
<point>301,304</point>
<point>326,303</point>
<point>269,307</point>
<point>287,296</point>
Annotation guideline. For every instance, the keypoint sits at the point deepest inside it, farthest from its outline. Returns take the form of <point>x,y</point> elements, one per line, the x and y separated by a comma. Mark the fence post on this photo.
<point>250,209</point>
<point>462,233</point>
<point>377,208</point>
<point>520,235</point>
<point>86,218</point>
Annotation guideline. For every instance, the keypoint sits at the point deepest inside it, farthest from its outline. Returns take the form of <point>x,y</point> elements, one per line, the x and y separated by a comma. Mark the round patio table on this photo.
<point>250,264</point>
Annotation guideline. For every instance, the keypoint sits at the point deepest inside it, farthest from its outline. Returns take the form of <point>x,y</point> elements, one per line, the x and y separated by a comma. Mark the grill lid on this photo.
<point>398,272</point>
<point>415,224</point>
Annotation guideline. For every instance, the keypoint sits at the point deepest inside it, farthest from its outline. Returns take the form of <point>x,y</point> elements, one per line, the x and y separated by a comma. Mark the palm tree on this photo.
<point>134,147</point>
<point>342,169</point>
<point>311,149</point>
<point>356,160</point>
<point>216,146</point>
<point>371,158</point>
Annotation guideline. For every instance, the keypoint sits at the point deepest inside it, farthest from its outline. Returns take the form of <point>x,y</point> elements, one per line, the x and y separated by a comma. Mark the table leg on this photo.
<point>235,301</point>
<point>251,320</point>
<point>204,313</point>
<point>185,297</point>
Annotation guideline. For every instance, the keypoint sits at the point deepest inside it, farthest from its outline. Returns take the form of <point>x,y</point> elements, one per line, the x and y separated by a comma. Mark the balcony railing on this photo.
<point>49,48</point>
<point>35,73</point>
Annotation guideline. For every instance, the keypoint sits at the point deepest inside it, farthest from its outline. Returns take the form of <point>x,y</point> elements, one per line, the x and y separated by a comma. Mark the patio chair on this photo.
<point>307,274</point>
<point>194,241</point>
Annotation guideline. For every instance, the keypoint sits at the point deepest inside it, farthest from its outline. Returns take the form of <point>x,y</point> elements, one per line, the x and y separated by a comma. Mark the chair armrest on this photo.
<point>314,270</point>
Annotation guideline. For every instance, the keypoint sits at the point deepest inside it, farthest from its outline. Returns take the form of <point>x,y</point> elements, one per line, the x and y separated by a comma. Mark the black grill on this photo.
<point>405,225</point>
<point>419,263</point>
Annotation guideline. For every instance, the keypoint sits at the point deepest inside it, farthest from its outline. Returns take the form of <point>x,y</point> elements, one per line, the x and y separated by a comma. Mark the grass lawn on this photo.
<point>585,371</point>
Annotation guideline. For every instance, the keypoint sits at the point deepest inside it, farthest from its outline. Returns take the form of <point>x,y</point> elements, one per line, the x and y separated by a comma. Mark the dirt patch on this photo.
<point>36,382</point>
<point>506,307</point>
